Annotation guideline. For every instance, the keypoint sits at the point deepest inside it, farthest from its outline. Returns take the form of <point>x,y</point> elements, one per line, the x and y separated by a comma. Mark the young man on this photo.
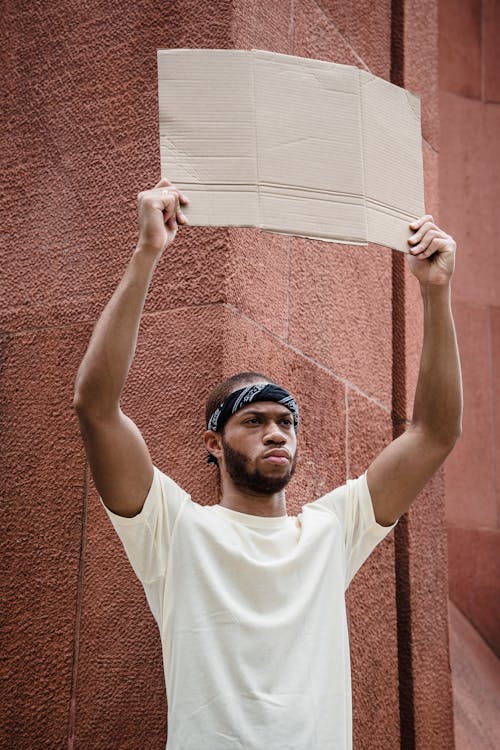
<point>249,600</point>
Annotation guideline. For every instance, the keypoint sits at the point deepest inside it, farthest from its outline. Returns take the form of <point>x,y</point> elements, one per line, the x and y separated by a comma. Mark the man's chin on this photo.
<point>268,480</point>
<point>262,484</point>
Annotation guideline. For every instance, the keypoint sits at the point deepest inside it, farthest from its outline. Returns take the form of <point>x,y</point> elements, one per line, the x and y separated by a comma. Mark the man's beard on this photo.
<point>255,481</point>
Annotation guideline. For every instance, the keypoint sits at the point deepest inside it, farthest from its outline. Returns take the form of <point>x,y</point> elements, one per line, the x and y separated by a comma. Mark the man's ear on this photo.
<point>213,443</point>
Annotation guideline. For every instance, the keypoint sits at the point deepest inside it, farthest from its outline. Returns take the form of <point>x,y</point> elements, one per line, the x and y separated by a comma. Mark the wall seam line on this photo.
<point>4,334</point>
<point>398,415</point>
<point>78,614</point>
<point>492,412</point>
<point>308,358</point>
<point>348,44</point>
<point>483,87</point>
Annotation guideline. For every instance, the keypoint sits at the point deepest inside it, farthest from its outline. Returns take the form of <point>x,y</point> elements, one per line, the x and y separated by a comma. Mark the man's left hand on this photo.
<point>432,252</point>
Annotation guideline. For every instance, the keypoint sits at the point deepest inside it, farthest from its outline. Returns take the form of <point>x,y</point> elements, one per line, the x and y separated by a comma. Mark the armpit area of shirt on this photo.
<point>153,492</point>
<point>378,528</point>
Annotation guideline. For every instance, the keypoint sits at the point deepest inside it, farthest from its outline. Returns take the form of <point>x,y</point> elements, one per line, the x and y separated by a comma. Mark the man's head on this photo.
<point>254,440</point>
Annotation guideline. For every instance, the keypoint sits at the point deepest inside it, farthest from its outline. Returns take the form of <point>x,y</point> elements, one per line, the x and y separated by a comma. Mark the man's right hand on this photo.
<point>159,216</point>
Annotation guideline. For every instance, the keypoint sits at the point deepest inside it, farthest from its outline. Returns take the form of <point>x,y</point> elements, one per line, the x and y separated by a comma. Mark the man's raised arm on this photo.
<point>118,456</point>
<point>398,474</point>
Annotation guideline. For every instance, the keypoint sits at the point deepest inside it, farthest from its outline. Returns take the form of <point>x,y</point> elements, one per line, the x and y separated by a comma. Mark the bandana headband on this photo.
<point>244,396</point>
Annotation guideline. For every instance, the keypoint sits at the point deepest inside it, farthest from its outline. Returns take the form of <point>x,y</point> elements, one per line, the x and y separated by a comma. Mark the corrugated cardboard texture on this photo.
<point>290,145</point>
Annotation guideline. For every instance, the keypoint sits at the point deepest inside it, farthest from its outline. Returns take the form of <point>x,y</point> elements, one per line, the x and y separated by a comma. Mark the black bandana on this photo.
<point>244,396</point>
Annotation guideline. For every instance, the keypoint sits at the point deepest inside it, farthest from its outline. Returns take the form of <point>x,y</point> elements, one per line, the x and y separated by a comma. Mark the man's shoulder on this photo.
<point>334,501</point>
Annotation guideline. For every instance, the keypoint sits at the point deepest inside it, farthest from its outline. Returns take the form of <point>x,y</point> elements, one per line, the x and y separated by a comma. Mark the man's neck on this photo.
<point>255,504</point>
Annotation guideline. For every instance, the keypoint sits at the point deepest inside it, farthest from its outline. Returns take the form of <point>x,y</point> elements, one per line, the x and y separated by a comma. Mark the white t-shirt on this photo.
<point>251,612</point>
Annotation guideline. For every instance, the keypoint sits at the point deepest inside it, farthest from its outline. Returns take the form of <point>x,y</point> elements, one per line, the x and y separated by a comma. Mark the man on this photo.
<point>249,600</point>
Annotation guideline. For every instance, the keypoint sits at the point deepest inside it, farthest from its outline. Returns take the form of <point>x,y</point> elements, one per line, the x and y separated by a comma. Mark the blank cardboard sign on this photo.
<point>290,145</point>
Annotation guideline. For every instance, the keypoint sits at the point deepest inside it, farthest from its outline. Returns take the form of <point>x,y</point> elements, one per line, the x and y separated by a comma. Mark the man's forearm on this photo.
<point>104,368</point>
<point>438,399</point>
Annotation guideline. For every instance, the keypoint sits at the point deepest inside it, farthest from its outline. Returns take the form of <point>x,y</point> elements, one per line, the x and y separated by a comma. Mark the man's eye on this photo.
<point>252,420</point>
<point>287,421</point>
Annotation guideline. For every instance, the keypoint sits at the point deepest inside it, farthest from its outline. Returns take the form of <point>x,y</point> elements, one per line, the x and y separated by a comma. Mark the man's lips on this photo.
<point>277,456</point>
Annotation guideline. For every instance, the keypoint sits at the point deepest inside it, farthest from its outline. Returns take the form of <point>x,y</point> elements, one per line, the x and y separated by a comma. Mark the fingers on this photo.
<point>428,238</point>
<point>418,222</point>
<point>180,198</point>
<point>171,223</point>
<point>171,199</point>
<point>436,245</point>
<point>164,182</point>
<point>421,226</point>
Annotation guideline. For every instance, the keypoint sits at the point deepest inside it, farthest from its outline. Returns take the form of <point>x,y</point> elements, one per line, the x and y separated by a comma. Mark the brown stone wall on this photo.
<point>339,325</point>
<point>469,98</point>
<point>470,189</point>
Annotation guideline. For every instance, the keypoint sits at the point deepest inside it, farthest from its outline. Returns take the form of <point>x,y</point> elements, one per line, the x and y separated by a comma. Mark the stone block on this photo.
<point>256,25</point>
<point>495,354</point>
<point>370,431</point>
<point>43,480</point>
<point>341,311</point>
<point>316,36</point>
<point>460,47</point>
<point>81,141</point>
<point>469,470</point>
<point>476,685</point>
<point>370,41</point>
<point>474,581</point>
<point>371,600</point>
<point>469,185</point>
<point>428,613</point>
<point>371,597</point>
<point>491,69</point>
<point>121,700</point>
<point>421,62</point>
<point>258,277</point>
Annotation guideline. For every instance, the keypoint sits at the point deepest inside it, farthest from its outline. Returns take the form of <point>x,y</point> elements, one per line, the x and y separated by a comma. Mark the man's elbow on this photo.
<point>89,409</point>
<point>453,436</point>
<point>82,404</point>
<point>442,439</point>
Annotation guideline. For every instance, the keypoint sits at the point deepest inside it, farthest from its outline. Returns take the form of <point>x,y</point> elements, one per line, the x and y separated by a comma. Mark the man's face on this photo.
<point>260,447</point>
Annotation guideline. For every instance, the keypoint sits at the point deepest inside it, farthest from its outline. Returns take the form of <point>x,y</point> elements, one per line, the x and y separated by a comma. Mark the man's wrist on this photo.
<point>435,291</point>
<point>150,252</point>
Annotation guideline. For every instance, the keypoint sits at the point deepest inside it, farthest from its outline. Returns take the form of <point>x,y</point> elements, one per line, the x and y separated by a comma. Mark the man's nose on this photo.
<point>274,434</point>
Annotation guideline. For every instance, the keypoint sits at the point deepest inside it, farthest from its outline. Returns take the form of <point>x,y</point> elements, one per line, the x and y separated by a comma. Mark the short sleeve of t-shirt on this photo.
<point>352,505</point>
<point>147,536</point>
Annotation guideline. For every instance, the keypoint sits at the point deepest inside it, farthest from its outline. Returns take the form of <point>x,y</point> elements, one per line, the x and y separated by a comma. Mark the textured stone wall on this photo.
<point>339,325</point>
<point>470,189</point>
<point>469,102</point>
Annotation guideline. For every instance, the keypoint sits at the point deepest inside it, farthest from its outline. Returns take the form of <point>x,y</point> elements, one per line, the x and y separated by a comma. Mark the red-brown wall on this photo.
<point>339,325</point>
<point>469,179</point>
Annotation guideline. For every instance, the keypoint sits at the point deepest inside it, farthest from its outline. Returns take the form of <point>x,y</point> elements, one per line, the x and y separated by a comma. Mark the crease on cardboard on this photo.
<point>304,188</point>
<point>184,160</point>
<point>389,209</point>
<point>310,71</point>
<point>369,78</point>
